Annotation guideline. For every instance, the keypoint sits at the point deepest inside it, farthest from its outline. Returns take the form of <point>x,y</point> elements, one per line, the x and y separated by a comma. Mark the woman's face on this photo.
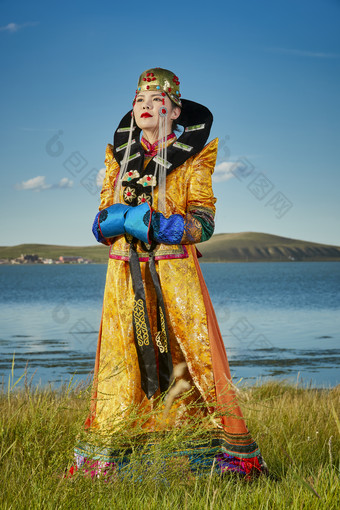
<point>146,110</point>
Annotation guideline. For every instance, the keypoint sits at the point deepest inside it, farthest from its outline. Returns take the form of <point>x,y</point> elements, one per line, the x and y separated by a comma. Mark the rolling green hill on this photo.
<point>241,247</point>
<point>257,247</point>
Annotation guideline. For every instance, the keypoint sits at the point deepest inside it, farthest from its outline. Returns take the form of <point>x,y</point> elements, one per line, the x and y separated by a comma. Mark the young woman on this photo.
<point>159,344</point>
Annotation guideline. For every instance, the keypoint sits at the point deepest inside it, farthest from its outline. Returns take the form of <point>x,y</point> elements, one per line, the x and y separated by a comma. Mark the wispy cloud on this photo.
<point>65,182</point>
<point>15,27</point>
<point>304,53</point>
<point>39,184</point>
<point>100,177</point>
<point>224,171</point>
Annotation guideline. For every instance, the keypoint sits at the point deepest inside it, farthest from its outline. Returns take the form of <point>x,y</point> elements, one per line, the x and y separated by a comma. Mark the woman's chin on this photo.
<point>147,123</point>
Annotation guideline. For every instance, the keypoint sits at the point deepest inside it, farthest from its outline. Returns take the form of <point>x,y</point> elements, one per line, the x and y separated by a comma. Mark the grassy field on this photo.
<point>297,429</point>
<point>240,247</point>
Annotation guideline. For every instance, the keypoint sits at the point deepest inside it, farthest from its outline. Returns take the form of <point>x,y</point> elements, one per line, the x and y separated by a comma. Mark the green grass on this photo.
<point>297,429</point>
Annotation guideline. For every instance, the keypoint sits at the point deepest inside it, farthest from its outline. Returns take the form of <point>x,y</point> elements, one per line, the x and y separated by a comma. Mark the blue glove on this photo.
<point>109,222</point>
<point>120,219</point>
<point>137,221</point>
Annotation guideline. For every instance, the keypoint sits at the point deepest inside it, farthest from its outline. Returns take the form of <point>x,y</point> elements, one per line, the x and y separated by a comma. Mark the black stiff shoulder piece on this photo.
<point>196,120</point>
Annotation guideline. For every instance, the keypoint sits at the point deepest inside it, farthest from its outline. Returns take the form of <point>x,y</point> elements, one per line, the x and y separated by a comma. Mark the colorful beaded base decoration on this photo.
<point>210,453</point>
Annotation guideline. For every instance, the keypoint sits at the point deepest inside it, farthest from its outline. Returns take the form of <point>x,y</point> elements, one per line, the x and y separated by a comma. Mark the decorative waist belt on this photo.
<point>150,379</point>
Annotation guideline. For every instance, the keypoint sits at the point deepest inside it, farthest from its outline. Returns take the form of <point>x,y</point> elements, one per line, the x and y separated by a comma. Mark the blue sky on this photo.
<point>269,71</point>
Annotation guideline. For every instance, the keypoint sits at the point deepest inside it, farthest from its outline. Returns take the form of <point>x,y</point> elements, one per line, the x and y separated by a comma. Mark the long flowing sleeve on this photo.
<point>199,221</point>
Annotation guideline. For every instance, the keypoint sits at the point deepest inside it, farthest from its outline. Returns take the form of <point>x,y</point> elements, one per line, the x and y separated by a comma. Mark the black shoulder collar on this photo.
<point>196,120</point>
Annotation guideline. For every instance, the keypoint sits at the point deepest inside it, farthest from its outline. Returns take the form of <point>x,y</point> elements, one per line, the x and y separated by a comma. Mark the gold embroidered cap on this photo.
<point>162,80</point>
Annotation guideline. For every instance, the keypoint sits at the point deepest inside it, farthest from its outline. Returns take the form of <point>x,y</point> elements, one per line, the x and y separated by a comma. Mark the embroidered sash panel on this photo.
<point>142,330</point>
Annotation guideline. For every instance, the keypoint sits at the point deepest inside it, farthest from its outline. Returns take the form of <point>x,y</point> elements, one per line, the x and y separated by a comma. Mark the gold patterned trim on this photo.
<point>142,334</point>
<point>161,338</point>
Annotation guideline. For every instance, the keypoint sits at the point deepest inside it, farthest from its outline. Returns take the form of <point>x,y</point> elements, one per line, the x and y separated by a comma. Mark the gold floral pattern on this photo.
<point>129,194</point>
<point>144,197</point>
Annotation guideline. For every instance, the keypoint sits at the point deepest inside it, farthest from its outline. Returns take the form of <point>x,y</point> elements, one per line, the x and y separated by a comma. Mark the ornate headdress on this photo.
<point>160,80</point>
<point>129,152</point>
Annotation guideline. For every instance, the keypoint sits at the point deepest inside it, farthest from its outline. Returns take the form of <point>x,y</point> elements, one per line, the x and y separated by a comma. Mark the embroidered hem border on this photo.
<point>206,446</point>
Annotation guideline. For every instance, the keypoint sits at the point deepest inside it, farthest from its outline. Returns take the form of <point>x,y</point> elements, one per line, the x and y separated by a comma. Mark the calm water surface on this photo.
<point>278,320</point>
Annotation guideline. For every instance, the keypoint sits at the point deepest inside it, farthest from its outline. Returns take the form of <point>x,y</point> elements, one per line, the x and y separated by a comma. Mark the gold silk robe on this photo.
<point>195,339</point>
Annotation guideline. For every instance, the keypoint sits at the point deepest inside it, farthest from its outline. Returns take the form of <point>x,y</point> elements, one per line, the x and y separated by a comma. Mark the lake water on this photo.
<point>278,320</point>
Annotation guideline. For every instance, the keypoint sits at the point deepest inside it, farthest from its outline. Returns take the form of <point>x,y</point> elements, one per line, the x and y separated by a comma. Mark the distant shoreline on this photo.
<point>241,247</point>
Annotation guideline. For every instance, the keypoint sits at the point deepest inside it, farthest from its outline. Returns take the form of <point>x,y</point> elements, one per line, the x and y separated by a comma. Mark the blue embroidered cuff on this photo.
<point>167,230</point>
<point>96,230</point>
<point>137,221</point>
<point>110,222</point>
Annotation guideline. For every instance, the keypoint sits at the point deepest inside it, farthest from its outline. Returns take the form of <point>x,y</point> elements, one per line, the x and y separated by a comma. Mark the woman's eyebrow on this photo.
<point>157,94</point>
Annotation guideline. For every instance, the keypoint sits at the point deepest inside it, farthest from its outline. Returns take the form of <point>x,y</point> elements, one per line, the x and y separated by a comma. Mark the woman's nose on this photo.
<point>147,105</point>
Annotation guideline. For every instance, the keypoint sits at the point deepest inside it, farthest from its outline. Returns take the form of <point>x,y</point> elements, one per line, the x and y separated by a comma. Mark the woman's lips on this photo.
<point>146,115</point>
